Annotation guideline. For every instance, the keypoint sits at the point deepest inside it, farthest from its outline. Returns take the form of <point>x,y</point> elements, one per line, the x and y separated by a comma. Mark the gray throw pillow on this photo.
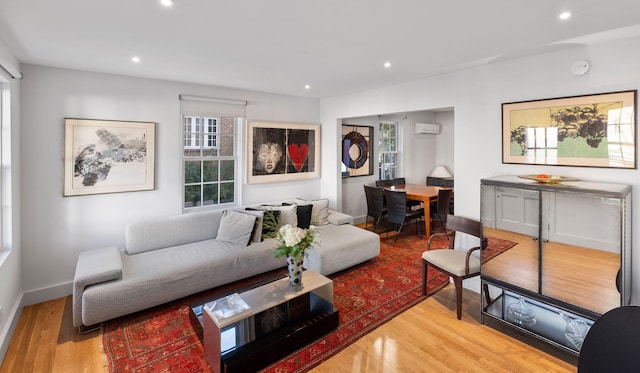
<point>256,234</point>
<point>236,227</point>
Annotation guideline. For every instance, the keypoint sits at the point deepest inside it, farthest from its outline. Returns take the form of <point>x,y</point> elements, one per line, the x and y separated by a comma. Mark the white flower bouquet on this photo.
<point>295,241</point>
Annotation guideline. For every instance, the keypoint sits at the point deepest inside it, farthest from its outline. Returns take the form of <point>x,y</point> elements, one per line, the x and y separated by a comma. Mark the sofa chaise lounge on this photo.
<point>171,257</point>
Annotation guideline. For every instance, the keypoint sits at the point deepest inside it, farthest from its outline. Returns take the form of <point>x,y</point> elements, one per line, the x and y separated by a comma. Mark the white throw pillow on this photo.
<point>256,234</point>
<point>288,214</point>
<point>319,212</point>
<point>236,227</point>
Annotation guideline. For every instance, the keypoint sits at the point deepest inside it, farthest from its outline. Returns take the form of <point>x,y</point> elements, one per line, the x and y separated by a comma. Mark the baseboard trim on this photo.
<point>10,327</point>
<point>48,293</point>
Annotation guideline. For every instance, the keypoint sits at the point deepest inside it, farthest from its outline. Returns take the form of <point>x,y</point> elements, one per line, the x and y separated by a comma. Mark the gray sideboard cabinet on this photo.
<point>570,260</point>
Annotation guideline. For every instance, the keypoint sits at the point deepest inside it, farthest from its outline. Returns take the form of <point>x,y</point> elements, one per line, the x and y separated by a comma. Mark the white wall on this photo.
<point>477,94</point>
<point>56,228</point>
<point>445,142</point>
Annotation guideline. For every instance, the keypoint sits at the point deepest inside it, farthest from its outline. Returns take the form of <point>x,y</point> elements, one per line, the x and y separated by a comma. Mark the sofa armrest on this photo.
<point>339,218</point>
<point>93,267</point>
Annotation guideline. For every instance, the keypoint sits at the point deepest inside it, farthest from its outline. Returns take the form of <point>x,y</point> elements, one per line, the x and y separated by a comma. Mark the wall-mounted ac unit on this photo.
<point>430,128</point>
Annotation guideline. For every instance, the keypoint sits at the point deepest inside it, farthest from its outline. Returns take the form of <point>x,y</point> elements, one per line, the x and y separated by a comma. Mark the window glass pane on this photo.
<point>191,195</point>
<point>387,156</point>
<point>226,192</point>
<point>192,172</point>
<point>209,171</point>
<point>210,194</point>
<point>227,170</point>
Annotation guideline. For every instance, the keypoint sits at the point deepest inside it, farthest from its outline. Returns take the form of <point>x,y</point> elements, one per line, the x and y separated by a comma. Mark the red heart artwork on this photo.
<point>298,155</point>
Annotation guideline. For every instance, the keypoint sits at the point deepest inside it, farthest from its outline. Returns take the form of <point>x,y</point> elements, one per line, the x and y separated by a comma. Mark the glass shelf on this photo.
<point>547,323</point>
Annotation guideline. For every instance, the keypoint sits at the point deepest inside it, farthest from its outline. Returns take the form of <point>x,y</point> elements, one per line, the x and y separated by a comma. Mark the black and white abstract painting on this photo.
<point>103,156</point>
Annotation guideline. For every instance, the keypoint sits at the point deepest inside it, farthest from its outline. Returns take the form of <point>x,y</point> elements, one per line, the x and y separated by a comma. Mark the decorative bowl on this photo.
<point>548,179</point>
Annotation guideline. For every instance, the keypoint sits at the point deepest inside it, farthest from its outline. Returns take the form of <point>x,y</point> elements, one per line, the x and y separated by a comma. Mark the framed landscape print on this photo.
<point>357,151</point>
<point>104,156</point>
<point>282,151</point>
<point>596,130</point>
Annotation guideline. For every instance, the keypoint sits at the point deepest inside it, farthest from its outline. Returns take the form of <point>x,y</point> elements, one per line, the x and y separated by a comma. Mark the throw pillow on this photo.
<point>270,222</point>
<point>304,214</point>
<point>288,214</point>
<point>236,227</point>
<point>320,211</point>
<point>256,234</point>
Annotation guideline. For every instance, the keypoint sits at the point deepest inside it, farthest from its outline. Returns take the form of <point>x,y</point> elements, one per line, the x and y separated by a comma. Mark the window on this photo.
<point>209,170</point>
<point>5,171</point>
<point>388,151</point>
<point>210,143</point>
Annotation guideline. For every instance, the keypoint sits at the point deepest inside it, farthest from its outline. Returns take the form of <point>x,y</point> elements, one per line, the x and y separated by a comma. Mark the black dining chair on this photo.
<point>375,205</point>
<point>398,213</point>
<point>410,203</point>
<point>384,183</point>
<point>398,181</point>
<point>440,208</point>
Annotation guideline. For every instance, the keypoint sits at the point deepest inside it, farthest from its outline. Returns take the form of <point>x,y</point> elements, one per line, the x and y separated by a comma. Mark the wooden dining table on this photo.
<point>423,193</point>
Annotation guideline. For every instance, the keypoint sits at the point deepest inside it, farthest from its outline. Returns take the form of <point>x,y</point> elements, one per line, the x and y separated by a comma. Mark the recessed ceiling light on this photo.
<point>135,59</point>
<point>564,15</point>
<point>307,86</point>
<point>167,3</point>
<point>387,65</point>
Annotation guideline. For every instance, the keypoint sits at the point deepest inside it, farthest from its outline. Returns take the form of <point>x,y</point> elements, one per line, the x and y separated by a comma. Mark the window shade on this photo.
<point>204,106</point>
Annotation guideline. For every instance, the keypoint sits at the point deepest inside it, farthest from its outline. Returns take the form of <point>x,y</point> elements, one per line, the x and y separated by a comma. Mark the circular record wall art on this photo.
<point>356,150</point>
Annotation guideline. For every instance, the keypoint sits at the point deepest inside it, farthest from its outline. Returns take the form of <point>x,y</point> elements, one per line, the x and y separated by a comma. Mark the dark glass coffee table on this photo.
<point>276,319</point>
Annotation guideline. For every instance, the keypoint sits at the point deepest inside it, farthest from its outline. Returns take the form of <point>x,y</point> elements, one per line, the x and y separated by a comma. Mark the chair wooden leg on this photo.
<point>424,277</point>
<point>458,283</point>
<point>487,296</point>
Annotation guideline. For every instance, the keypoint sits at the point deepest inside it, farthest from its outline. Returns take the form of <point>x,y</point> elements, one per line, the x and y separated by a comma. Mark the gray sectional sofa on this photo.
<point>171,257</point>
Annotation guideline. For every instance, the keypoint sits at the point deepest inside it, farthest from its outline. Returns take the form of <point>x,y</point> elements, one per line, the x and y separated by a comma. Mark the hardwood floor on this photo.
<point>570,273</point>
<point>426,338</point>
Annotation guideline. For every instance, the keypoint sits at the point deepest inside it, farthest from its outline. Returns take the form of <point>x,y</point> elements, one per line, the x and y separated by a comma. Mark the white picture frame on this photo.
<point>278,152</point>
<point>108,156</point>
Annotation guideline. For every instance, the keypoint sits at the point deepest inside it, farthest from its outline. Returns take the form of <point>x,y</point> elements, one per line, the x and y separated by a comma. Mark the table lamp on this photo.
<point>440,172</point>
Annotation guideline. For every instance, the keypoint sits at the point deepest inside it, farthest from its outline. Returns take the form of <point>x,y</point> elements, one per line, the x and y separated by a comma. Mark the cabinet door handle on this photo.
<point>534,238</point>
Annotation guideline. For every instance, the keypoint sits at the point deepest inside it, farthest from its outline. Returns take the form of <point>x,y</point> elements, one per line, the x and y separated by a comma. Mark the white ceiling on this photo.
<point>278,46</point>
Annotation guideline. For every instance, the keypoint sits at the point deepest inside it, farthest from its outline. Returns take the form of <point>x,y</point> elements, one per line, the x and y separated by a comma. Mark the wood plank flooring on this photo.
<point>426,338</point>
<point>577,275</point>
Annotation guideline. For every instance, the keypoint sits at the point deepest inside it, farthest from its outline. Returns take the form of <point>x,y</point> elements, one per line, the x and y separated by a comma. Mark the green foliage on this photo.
<point>270,224</point>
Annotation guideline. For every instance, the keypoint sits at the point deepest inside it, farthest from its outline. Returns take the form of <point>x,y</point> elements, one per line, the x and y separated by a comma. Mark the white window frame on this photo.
<point>192,141</point>
<point>6,209</point>
<point>382,151</point>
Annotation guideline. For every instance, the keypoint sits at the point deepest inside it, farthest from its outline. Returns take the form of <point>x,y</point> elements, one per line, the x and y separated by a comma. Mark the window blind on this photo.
<point>204,106</point>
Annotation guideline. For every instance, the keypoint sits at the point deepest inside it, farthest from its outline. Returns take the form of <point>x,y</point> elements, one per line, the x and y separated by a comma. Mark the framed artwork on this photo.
<point>357,150</point>
<point>282,151</point>
<point>105,156</point>
<point>596,130</point>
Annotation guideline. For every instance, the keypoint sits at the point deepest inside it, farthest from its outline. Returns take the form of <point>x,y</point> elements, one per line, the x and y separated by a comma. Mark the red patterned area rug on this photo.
<point>162,339</point>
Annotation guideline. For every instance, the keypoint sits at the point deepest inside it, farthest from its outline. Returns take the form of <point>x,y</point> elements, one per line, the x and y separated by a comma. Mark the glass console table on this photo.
<point>570,259</point>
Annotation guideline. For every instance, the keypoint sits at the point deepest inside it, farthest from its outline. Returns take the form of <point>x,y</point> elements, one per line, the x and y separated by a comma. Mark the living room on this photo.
<point>49,230</point>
